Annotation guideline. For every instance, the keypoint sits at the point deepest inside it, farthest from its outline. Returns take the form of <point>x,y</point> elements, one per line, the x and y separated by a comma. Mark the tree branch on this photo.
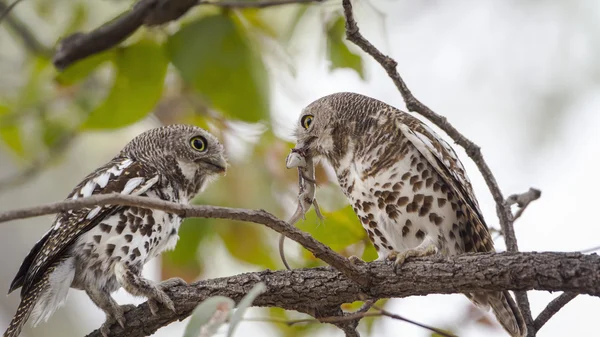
<point>552,308</point>
<point>320,250</point>
<point>312,289</point>
<point>145,12</point>
<point>23,32</point>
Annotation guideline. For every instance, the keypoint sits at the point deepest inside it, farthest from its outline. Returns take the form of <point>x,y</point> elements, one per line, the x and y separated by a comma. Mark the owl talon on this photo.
<point>160,296</point>
<point>117,316</point>
<point>172,282</point>
<point>400,258</point>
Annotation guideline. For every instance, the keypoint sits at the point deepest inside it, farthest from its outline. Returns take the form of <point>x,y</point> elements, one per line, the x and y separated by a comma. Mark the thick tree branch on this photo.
<point>312,289</point>
<point>145,12</point>
<point>320,250</point>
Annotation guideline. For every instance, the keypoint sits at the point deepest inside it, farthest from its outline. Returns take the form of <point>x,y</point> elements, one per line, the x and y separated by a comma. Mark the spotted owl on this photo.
<point>101,249</point>
<point>405,183</point>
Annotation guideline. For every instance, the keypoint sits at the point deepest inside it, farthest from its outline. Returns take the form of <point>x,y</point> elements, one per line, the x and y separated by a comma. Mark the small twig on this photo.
<point>590,250</point>
<point>356,316</point>
<point>552,308</point>
<point>8,9</point>
<point>22,31</point>
<point>523,200</point>
<point>320,250</point>
<point>398,317</point>
<point>256,4</point>
<point>145,12</point>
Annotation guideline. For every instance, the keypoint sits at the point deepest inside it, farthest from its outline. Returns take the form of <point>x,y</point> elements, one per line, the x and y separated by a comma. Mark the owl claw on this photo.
<point>172,282</point>
<point>400,258</point>
<point>159,296</point>
<point>117,316</point>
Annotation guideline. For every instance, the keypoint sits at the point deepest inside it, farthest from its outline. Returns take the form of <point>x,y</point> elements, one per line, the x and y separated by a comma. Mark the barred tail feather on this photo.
<point>23,312</point>
<point>508,314</point>
<point>41,300</point>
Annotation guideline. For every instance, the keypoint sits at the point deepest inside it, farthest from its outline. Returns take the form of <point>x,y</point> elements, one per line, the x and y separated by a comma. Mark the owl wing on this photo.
<point>446,163</point>
<point>120,175</point>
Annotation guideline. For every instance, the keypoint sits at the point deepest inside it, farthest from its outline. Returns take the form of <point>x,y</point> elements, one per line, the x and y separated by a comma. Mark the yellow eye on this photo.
<point>198,143</point>
<point>306,121</point>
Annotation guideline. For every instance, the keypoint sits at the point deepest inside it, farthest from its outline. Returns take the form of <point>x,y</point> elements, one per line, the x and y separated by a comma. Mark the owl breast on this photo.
<point>402,202</point>
<point>131,236</point>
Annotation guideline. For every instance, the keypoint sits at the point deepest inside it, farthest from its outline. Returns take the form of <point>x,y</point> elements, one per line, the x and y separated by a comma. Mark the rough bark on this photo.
<point>310,289</point>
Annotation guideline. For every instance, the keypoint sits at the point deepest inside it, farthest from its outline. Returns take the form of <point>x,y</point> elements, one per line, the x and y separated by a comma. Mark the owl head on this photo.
<point>187,153</point>
<point>330,126</point>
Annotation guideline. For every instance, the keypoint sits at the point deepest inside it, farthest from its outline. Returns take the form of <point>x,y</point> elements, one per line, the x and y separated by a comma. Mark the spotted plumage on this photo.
<point>104,248</point>
<point>406,185</point>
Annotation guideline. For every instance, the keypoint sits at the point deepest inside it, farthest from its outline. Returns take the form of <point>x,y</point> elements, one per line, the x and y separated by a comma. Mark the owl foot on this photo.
<point>158,295</point>
<point>400,258</point>
<point>116,316</point>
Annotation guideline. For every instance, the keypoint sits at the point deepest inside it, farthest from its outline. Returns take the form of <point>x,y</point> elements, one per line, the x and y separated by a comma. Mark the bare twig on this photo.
<point>22,31</point>
<point>145,12</point>
<point>8,9</point>
<point>186,211</point>
<point>255,4</point>
<point>590,250</point>
<point>398,317</point>
<point>552,308</point>
<point>350,317</point>
<point>473,150</point>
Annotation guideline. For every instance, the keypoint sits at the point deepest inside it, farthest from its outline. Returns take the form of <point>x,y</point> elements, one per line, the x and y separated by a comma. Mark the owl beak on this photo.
<point>218,163</point>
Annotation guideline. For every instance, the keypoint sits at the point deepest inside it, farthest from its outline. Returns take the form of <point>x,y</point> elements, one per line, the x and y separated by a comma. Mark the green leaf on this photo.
<point>244,304</point>
<point>138,85</point>
<point>337,51</point>
<point>215,57</point>
<point>204,318</point>
<point>339,229</point>
<point>10,133</point>
<point>369,254</point>
<point>246,242</point>
<point>82,69</point>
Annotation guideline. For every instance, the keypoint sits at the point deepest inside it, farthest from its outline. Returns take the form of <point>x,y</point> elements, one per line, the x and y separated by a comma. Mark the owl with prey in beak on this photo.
<point>405,183</point>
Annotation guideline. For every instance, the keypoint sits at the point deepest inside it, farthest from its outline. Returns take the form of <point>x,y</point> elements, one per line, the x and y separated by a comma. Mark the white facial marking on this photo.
<point>188,169</point>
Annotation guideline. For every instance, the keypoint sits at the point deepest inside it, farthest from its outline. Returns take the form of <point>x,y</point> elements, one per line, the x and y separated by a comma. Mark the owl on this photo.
<point>405,183</point>
<point>101,249</point>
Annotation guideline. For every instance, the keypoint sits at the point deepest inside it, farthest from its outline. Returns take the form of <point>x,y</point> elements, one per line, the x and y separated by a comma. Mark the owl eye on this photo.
<point>198,143</point>
<point>306,121</point>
